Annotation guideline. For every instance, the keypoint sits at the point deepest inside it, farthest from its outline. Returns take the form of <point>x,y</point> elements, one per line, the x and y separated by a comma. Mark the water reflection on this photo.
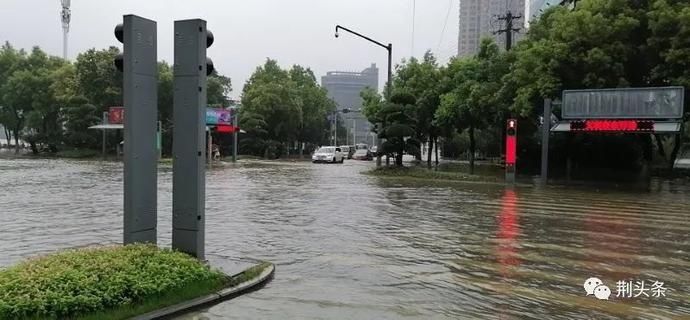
<point>508,233</point>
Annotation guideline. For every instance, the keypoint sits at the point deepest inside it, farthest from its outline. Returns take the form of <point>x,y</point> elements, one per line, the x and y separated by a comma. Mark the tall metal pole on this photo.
<point>236,124</point>
<point>546,130</point>
<point>66,16</point>
<point>388,47</point>
<point>105,121</point>
<point>335,136</point>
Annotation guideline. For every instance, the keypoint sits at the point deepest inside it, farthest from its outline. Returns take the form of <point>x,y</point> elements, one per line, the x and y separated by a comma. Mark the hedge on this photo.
<point>80,282</point>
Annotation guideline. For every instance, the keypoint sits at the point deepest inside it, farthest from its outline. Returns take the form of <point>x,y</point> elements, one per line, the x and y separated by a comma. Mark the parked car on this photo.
<point>362,154</point>
<point>347,151</point>
<point>328,154</point>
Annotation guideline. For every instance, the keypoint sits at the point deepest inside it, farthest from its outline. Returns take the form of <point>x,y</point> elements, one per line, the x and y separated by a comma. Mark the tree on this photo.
<point>398,119</point>
<point>472,102</point>
<point>272,95</point>
<point>218,89</point>
<point>423,81</point>
<point>10,117</point>
<point>79,116</point>
<point>316,106</point>
<point>97,78</point>
<point>31,93</point>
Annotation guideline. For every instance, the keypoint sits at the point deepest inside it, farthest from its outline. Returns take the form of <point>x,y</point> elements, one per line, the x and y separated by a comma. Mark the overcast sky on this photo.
<point>248,31</point>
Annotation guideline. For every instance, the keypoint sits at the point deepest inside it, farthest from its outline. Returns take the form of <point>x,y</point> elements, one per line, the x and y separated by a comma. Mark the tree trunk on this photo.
<point>436,150</point>
<point>8,135</point>
<point>472,146</point>
<point>399,159</point>
<point>674,152</point>
<point>429,150</point>
<point>16,140</point>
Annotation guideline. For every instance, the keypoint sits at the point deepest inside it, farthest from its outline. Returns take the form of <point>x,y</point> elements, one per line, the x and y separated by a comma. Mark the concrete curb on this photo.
<point>213,298</point>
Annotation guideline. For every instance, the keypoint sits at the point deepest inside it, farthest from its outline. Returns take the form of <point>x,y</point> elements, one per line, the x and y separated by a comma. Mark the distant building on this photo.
<point>345,88</point>
<point>479,19</point>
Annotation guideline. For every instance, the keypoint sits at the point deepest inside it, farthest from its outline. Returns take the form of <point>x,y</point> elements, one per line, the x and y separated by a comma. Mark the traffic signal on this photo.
<point>139,65</point>
<point>191,70</point>
<point>119,35</point>
<point>209,62</point>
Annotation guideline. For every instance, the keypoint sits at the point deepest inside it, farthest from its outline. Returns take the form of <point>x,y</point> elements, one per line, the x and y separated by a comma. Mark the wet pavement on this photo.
<point>352,246</point>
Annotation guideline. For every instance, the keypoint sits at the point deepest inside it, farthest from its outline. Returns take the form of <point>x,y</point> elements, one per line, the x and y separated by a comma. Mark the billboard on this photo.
<point>217,116</point>
<point>116,115</point>
<point>624,103</point>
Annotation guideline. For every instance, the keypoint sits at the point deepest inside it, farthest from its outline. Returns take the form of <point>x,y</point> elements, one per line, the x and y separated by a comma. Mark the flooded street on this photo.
<point>352,246</point>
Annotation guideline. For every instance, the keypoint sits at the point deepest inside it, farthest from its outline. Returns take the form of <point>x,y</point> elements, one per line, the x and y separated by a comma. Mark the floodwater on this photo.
<point>351,246</point>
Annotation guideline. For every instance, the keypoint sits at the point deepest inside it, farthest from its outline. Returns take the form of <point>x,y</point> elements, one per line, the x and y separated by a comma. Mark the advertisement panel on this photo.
<point>217,116</point>
<point>116,115</point>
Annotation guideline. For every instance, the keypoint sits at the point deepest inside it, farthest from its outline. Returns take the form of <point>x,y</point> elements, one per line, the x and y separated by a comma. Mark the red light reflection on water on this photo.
<point>508,233</point>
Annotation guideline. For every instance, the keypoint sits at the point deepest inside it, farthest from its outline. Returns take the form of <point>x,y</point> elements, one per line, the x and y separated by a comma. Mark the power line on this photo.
<point>445,24</point>
<point>414,9</point>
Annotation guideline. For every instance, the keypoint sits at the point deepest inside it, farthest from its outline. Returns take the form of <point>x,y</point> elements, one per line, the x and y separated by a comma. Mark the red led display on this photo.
<point>226,129</point>
<point>612,125</point>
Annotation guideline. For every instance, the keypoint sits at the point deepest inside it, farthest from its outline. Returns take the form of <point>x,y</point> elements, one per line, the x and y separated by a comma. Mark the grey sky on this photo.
<point>249,31</point>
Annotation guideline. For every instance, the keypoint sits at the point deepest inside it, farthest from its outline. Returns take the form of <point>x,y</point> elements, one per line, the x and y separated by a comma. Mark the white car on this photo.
<point>328,154</point>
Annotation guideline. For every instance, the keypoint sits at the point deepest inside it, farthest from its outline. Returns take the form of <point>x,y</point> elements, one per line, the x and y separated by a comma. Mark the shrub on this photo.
<point>82,281</point>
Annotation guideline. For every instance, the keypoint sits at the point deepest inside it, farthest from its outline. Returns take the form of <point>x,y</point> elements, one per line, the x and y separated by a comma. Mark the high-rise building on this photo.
<point>345,88</point>
<point>479,19</point>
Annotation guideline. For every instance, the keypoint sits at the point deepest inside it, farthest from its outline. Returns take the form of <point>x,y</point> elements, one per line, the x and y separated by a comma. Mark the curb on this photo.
<point>213,298</point>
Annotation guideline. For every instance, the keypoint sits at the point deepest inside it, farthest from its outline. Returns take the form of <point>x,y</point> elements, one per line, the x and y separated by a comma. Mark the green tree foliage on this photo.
<point>280,107</point>
<point>472,103</point>
<point>422,79</point>
<point>218,89</point>
<point>79,115</point>
<point>399,126</point>
<point>97,78</point>
<point>32,93</point>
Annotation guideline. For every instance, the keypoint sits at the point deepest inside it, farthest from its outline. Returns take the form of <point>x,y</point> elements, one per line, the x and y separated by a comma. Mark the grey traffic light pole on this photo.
<point>191,69</point>
<point>140,90</point>
<point>388,47</point>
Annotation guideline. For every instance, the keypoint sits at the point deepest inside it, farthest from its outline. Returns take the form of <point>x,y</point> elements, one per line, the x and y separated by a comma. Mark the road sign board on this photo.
<point>624,103</point>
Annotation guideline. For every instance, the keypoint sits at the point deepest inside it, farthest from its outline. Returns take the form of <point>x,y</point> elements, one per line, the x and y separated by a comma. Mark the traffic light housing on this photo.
<point>209,62</point>
<point>191,70</point>
<point>139,64</point>
<point>119,35</point>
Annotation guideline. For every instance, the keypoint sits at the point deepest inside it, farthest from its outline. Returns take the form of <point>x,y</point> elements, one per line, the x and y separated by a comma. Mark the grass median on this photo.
<point>115,282</point>
<point>420,173</point>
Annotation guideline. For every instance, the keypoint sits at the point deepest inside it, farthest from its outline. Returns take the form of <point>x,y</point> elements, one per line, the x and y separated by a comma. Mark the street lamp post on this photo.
<point>388,47</point>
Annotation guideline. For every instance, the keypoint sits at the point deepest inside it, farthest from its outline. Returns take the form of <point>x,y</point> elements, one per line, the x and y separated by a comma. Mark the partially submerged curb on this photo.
<point>213,298</point>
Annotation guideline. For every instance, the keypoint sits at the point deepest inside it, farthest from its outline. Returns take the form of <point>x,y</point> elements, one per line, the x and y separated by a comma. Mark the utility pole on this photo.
<point>508,30</point>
